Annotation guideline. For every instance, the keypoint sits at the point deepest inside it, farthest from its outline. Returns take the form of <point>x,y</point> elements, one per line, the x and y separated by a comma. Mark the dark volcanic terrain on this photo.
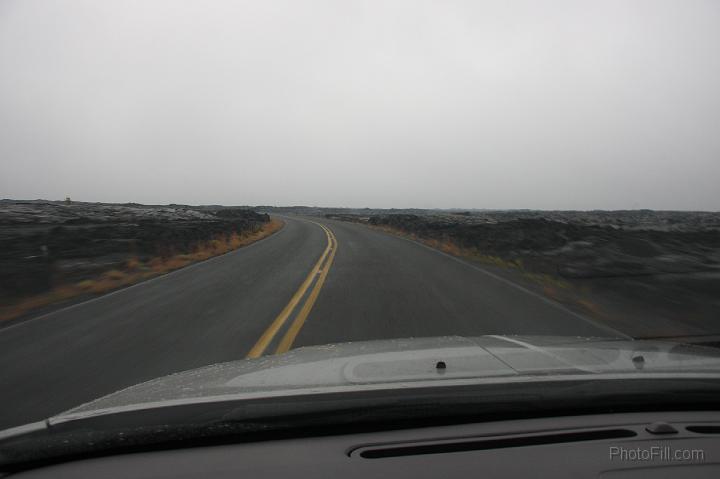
<point>47,244</point>
<point>647,273</point>
<point>655,272</point>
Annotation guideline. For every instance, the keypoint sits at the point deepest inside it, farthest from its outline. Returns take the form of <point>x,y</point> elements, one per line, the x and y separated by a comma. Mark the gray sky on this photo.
<point>505,104</point>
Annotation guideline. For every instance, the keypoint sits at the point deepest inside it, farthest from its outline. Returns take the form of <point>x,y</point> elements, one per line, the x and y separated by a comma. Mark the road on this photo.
<point>315,281</point>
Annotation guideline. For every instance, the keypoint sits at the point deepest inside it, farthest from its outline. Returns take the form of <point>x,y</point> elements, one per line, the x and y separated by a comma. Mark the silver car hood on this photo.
<point>409,363</point>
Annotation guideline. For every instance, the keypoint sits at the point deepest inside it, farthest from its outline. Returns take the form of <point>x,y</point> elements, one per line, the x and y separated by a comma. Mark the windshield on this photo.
<point>267,199</point>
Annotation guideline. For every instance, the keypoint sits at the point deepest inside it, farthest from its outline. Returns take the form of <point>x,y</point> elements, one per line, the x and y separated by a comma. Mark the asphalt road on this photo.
<point>350,283</point>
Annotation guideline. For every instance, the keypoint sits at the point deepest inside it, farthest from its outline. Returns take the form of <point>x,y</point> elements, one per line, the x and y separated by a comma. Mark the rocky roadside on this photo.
<point>55,251</point>
<point>647,273</point>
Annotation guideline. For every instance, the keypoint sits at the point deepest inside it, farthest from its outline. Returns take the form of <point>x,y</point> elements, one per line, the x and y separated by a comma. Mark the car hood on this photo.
<point>409,362</point>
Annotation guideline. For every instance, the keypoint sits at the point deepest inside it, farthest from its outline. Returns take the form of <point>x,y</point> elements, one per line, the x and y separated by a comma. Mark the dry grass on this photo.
<point>449,246</point>
<point>136,270</point>
<point>553,287</point>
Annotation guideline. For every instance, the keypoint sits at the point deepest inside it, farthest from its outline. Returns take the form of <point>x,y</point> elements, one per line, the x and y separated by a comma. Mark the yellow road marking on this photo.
<point>295,327</point>
<point>279,321</point>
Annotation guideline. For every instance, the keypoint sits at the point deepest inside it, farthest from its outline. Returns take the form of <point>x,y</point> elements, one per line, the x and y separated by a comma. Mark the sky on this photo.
<point>559,104</point>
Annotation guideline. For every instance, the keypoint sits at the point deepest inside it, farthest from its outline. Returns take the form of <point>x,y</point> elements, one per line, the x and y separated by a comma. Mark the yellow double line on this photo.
<point>321,268</point>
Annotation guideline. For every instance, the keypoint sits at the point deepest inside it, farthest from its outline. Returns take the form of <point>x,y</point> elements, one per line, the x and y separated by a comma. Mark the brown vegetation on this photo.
<point>449,246</point>
<point>655,277</point>
<point>136,270</point>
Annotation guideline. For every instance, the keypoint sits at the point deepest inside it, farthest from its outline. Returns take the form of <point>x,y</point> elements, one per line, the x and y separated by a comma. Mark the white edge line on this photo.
<point>510,283</point>
<point>126,288</point>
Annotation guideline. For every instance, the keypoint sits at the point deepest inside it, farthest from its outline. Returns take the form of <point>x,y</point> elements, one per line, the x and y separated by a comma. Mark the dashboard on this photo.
<point>617,446</point>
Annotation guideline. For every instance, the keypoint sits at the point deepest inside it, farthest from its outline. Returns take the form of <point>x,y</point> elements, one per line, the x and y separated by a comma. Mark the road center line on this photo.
<point>259,348</point>
<point>292,332</point>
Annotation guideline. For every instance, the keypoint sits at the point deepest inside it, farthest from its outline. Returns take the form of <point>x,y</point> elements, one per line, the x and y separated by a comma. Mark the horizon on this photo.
<point>258,206</point>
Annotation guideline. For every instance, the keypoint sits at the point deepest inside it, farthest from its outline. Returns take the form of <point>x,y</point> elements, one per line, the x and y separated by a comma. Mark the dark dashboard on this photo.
<point>657,444</point>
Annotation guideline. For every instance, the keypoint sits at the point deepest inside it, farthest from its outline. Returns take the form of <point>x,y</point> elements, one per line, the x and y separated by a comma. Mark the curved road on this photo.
<point>301,286</point>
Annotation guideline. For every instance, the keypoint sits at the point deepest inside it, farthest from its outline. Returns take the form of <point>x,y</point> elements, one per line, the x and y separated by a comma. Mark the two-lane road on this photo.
<point>382,286</point>
<point>313,282</point>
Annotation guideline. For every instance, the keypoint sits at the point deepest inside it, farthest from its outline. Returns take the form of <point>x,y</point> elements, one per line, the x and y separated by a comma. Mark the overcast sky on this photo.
<point>504,104</point>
